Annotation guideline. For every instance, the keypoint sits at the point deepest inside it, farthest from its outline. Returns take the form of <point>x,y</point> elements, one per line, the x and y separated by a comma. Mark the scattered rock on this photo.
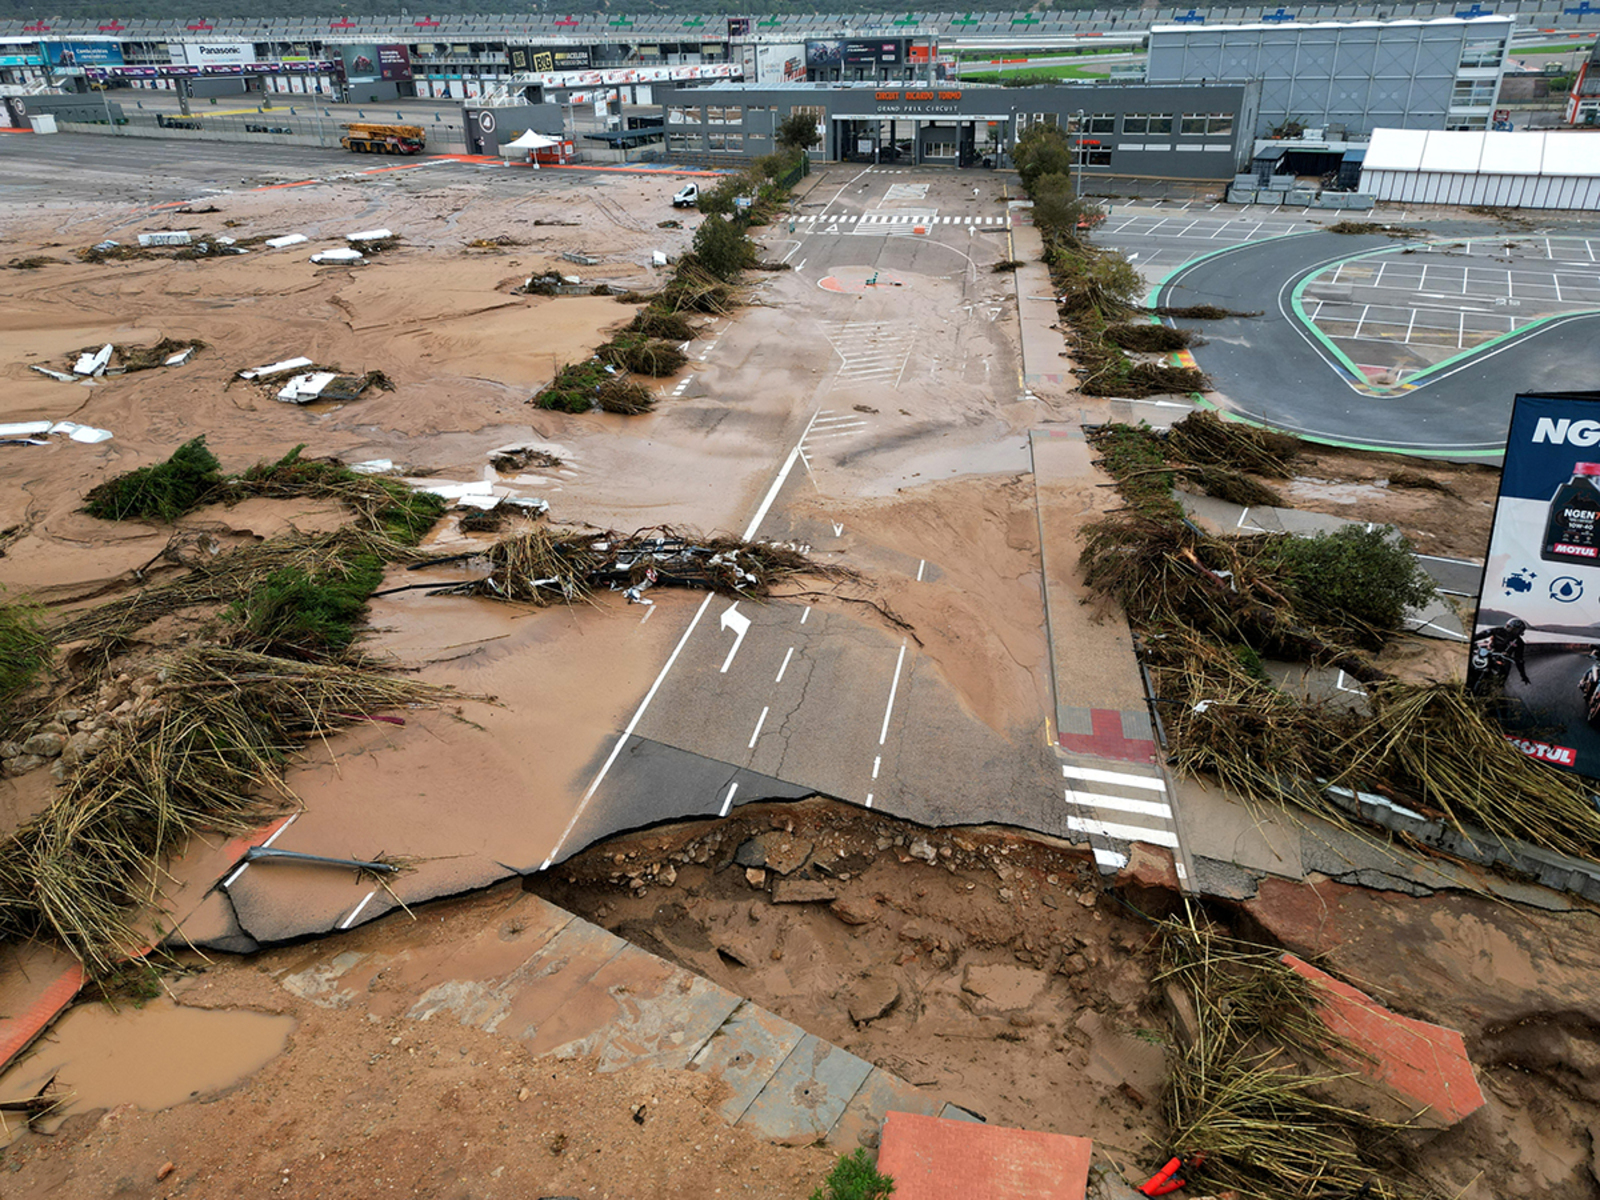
<point>923,850</point>
<point>779,852</point>
<point>45,744</point>
<point>802,891</point>
<point>737,950</point>
<point>755,877</point>
<point>23,763</point>
<point>854,912</point>
<point>167,1168</point>
<point>873,996</point>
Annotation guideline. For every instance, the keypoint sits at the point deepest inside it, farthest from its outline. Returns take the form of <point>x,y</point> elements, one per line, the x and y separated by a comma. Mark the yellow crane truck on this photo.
<point>384,139</point>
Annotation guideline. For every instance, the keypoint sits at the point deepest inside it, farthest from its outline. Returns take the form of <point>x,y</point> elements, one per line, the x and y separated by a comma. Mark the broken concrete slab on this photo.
<point>178,359</point>
<point>290,239</point>
<point>872,996</point>
<point>803,891</point>
<point>930,1158</point>
<point>744,1053</point>
<point>1421,1068</point>
<point>369,235</point>
<point>861,1124</point>
<point>170,237</point>
<point>636,1010</point>
<point>24,429</point>
<point>808,1093</point>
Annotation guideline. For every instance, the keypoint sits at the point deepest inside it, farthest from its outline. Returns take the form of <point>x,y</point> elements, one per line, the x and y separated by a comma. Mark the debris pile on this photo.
<point>197,744</point>
<point>560,566</point>
<point>1208,609</point>
<point>1256,1086</point>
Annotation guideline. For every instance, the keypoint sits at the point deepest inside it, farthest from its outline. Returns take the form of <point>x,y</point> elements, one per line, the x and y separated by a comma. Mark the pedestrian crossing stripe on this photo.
<point>899,219</point>
<point>1122,804</point>
<point>1123,833</point>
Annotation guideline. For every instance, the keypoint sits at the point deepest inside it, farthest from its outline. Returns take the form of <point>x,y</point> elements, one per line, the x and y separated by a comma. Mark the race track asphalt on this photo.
<point>1271,368</point>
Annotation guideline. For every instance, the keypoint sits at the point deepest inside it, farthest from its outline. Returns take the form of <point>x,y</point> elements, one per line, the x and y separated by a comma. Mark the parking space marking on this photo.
<point>869,352</point>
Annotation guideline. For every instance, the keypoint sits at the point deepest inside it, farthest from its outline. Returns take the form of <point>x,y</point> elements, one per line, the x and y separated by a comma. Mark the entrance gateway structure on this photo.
<point>1158,131</point>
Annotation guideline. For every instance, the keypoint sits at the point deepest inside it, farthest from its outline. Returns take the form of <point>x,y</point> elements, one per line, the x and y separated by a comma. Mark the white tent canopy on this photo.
<point>531,141</point>
<point>1510,170</point>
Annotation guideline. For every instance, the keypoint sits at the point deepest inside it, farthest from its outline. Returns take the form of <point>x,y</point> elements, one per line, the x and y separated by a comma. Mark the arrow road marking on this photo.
<point>740,624</point>
<point>838,529</point>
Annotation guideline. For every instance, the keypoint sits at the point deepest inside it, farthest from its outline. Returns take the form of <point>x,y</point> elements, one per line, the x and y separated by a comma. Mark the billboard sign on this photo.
<point>210,54</point>
<point>550,58</point>
<point>1536,637</point>
<point>83,54</point>
<point>370,63</point>
<point>825,54</point>
<point>867,53</point>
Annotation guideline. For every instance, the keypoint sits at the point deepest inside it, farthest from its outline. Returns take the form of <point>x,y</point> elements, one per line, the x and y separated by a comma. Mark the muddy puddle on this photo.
<point>153,1057</point>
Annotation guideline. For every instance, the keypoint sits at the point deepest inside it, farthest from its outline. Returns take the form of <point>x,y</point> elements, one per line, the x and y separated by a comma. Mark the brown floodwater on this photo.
<point>154,1057</point>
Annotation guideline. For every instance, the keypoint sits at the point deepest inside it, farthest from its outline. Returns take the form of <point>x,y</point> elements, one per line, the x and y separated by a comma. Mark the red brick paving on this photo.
<point>1108,740</point>
<point>933,1159</point>
<point>1425,1065</point>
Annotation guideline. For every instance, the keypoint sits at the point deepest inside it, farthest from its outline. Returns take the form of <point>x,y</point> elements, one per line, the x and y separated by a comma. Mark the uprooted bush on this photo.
<point>643,356</point>
<point>1148,338</point>
<point>382,505</point>
<point>297,614</point>
<point>654,322</point>
<point>624,397</point>
<point>145,358</point>
<point>1356,578</point>
<point>164,491</point>
<point>25,648</point>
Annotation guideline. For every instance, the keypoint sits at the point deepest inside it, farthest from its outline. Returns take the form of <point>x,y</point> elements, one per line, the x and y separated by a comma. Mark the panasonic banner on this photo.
<point>1543,572</point>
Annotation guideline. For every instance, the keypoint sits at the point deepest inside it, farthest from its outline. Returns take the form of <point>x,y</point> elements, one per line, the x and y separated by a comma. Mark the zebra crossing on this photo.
<point>1115,808</point>
<point>891,222</point>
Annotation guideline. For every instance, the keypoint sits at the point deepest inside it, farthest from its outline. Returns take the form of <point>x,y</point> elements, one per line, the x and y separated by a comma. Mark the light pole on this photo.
<point>105,100</point>
<point>1077,167</point>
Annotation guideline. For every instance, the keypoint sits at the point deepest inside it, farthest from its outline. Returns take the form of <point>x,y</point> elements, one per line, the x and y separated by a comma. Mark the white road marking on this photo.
<point>877,762</point>
<point>785,666</point>
<point>805,614</point>
<point>648,613</point>
<point>276,834</point>
<point>1110,858</point>
<point>735,620</point>
<point>1124,833</point>
<point>894,687</point>
<point>777,485</point>
<point>869,799</point>
<point>921,563</point>
<point>628,732</point>
<point>356,911</point>
<point>760,721</point>
<point>1121,778</point>
<point>838,529</point>
<point>727,801</point>
<point>1099,800</point>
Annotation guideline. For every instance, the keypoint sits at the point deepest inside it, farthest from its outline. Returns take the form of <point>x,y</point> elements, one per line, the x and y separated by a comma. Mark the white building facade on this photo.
<point>1351,77</point>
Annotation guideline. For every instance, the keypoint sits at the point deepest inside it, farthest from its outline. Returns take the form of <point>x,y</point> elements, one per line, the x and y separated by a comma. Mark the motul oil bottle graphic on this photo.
<point>1572,530</point>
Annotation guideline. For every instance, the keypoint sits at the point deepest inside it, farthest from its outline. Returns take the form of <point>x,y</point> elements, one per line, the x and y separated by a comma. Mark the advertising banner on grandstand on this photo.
<point>371,63</point>
<point>1536,638</point>
<point>83,54</point>
<point>208,54</point>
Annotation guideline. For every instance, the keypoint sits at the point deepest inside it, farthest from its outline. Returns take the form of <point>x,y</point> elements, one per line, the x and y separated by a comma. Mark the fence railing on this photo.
<point>281,126</point>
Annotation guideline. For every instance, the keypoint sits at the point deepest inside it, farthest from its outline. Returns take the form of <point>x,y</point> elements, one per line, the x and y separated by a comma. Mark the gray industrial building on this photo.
<point>1183,131</point>
<point>1347,77</point>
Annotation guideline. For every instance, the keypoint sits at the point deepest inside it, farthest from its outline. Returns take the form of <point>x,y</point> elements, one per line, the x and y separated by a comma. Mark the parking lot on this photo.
<point>1405,310</point>
<point>1158,238</point>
